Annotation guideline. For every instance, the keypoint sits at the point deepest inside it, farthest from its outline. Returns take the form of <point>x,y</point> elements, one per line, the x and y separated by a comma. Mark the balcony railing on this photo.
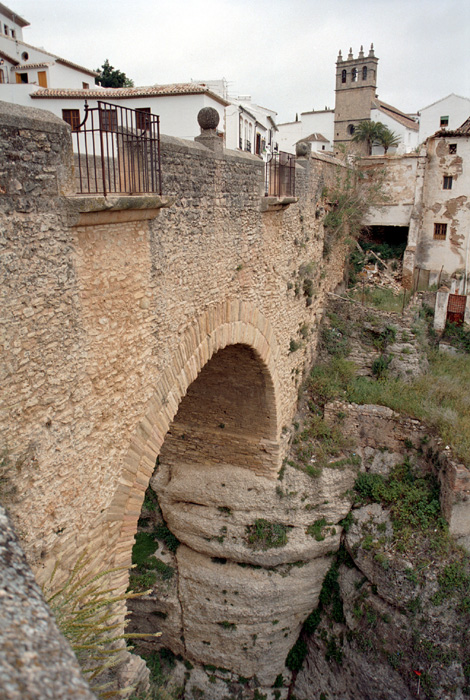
<point>118,151</point>
<point>280,175</point>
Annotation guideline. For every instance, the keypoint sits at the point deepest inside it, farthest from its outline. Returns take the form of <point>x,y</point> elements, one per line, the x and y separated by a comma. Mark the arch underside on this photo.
<point>244,398</point>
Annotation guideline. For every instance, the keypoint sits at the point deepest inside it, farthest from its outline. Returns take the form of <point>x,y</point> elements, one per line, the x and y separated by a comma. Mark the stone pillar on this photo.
<point>440,311</point>
<point>208,119</point>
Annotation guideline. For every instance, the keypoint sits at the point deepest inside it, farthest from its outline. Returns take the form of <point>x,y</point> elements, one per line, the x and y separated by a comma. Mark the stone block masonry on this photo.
<point>107,322</point>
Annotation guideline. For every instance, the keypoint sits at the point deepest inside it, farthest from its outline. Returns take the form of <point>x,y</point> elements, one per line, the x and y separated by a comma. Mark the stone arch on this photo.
<point>232,323</point>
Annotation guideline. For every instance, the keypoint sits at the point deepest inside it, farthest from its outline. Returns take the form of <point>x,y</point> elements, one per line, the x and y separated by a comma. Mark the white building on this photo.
<point>31,76</point>
<point>30,67</point>
<point>177,104</point>
<point>401,124</point>
<point>318,123</point>
<point>248,126</point>
<point>448,113</point>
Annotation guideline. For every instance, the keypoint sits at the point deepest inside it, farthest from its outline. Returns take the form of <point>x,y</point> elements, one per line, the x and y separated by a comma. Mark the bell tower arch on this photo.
<point>356,84</point>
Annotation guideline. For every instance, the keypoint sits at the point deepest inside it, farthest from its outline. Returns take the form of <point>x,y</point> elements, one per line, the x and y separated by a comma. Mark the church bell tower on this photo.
<point>356,83</point>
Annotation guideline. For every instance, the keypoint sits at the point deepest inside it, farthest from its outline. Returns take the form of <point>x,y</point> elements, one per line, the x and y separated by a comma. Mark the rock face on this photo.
<point>396,622</point>
<point>236,603</point>
<point>35,660</point>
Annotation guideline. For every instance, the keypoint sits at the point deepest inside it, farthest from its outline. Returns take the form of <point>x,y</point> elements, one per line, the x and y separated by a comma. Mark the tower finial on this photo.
<point>371,52</point>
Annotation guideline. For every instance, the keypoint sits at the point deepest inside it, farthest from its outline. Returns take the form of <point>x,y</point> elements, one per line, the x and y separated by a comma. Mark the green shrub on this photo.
<point>163,533</point>
<point>140,582</point>
<point>296,655</point>
<point>458,336</point>
<point>380,366</point>
<point>316,529</point>
<point>263,534</point>
<point>144,546</point>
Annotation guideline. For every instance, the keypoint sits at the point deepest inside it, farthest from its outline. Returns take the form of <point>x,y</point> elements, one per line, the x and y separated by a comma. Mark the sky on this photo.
<point>281,52</point>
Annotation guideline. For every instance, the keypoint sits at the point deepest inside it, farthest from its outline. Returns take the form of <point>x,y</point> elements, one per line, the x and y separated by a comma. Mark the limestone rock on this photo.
<point>248,615</point>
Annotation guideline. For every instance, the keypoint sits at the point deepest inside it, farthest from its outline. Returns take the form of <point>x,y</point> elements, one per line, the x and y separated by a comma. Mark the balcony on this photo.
<point>117,151</point>
<point>280,176</point>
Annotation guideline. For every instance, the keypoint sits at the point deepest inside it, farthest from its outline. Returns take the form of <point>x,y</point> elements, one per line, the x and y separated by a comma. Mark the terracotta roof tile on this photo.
<point>25,66</point>
<point>395,113</point>
<point>463,130</point>
<point>316,136</point>
<point>122,93</point>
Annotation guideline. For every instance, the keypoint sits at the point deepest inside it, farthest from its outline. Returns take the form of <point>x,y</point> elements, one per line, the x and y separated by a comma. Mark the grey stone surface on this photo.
<point>35,660</point>
<point>208,118</point>
<point>302,149</point>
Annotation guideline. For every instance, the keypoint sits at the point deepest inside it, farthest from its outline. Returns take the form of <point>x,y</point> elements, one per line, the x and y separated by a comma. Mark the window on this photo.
<point>440,232</point>
<point>21,77</point>
<point>364,73</point>
<point>142,118</point>
<point>108,119</point>
<point>447,182</point>
<point>85,86</point>
<point>354,75</point>
<point>452,148</point>
<point>343,76</point>
<point>72,117</point>
<point>444,121</point>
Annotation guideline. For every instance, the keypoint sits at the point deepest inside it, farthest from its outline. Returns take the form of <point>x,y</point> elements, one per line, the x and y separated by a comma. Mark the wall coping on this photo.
<point>90,210</point>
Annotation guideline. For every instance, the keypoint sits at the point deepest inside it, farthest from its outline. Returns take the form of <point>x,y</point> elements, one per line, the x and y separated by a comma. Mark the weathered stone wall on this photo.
<point>398,188</point>
<point>105,326</point>
<point>35,660</point>
<point>446,206</point>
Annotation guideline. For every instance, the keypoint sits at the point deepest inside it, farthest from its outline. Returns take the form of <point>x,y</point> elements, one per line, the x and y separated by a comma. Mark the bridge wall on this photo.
<point>106,322</point>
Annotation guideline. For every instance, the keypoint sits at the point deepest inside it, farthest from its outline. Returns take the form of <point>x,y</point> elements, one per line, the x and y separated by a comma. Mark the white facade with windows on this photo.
<point>448,113</point>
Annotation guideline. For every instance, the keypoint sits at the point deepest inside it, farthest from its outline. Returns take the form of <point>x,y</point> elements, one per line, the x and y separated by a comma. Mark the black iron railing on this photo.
<point>280,175</point>
<point>118,151</point>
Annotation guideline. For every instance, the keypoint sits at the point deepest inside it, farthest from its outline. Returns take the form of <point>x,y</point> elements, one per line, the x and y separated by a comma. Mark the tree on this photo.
<point>375,133</point>
<point>388,139</point>
<point>112,77</point>
<point>368,132</point>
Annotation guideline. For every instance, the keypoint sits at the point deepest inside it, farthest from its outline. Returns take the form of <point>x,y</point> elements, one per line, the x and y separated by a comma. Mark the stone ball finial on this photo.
<point>208,118</point>
<point>302,149</point>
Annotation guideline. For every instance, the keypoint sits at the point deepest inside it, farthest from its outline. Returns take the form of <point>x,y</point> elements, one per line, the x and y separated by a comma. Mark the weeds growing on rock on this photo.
<point>85,611</point>
<point>263,534</point>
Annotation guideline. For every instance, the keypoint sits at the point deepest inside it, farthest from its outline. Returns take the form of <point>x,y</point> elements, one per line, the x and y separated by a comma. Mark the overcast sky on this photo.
<point>281,52</point>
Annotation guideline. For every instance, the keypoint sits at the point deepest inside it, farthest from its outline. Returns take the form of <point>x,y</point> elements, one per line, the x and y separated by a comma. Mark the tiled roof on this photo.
<point>122,93</point>
<point>57,59</point>
<point>395,113</point>
<point>463,130</point>
<point>315,137</point>
<point>25,66</point>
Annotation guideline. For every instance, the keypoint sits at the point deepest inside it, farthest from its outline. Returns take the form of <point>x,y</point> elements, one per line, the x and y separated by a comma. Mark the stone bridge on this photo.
<point>133,327</point>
